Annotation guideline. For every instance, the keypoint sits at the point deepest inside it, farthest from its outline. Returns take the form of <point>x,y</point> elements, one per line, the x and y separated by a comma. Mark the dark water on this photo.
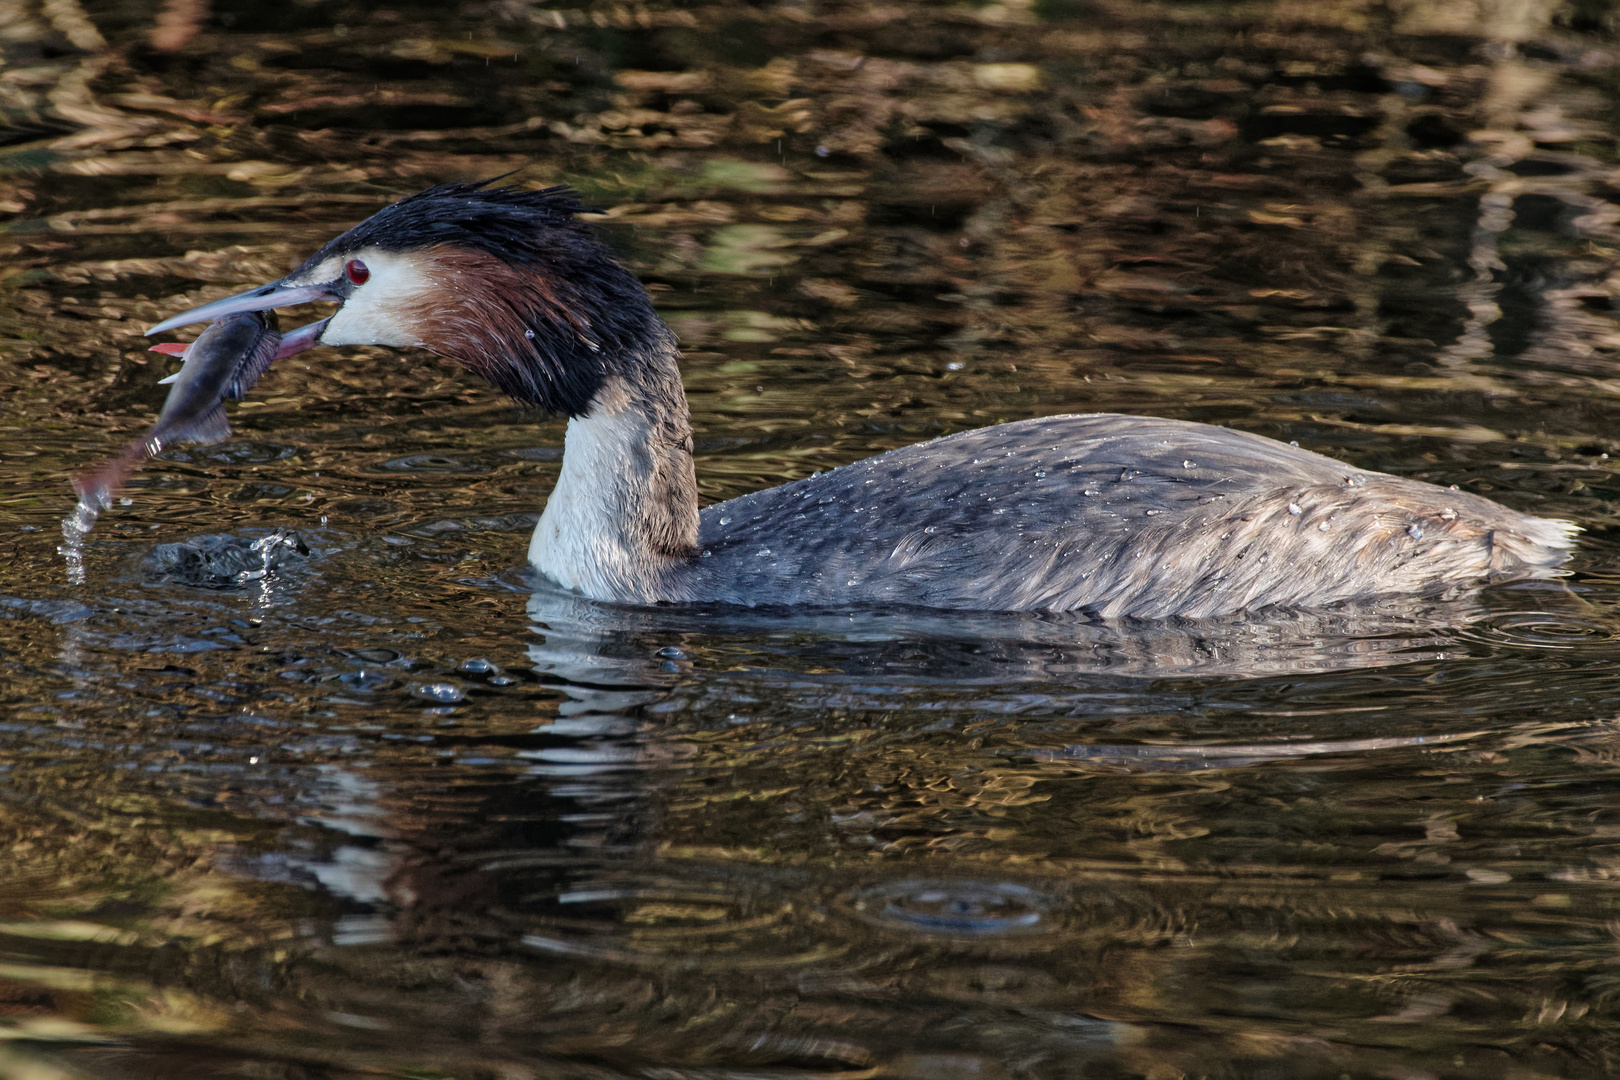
<point>396,809</point>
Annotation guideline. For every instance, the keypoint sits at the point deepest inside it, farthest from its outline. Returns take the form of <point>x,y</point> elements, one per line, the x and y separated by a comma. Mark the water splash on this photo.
<point>75,527</point>
<point>96,490</point>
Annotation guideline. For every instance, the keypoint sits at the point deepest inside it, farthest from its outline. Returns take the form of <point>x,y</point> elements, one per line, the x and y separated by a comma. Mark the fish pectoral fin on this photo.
<point>253,365</point>
<point>170,379</point>
<point>211,427</point>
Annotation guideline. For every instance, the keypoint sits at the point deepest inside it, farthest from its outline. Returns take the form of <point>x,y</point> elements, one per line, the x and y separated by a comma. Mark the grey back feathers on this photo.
<point>1120,516</point>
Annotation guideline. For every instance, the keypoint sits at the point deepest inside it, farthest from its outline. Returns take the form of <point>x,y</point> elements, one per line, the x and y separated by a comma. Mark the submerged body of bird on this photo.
<point>1122,516</point>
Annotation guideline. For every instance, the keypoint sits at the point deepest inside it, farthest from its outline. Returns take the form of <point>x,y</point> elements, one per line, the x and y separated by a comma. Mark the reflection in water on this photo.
<point>392,808</point>
<point>712,814</point>
<point>837,649</point>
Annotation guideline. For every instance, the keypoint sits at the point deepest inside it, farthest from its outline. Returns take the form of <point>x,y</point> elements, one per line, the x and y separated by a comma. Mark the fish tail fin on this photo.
<point>96,488</point>
<point>211,427</point>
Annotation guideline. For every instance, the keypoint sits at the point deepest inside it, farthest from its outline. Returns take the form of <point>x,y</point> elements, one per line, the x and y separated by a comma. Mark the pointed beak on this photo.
<point>263,298</point>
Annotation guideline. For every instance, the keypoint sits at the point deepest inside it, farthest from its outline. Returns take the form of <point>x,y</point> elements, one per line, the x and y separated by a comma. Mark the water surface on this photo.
<point>396,808</point>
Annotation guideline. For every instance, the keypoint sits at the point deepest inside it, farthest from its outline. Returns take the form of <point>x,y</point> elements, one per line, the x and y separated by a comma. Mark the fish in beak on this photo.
<point>293,341</point>
<point>224,363</point>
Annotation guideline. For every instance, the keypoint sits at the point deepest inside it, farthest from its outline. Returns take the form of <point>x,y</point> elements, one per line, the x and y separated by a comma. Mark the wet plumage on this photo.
<point>1116,515</point>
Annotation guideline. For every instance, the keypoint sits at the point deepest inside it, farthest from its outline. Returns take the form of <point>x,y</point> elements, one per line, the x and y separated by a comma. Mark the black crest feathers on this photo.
<point>508,222</point>
<point>541,307</point>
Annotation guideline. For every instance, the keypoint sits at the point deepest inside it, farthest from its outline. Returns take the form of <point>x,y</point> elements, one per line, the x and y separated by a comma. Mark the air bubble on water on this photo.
<point>1323,527</point>
<point>1414,531</point>
<point>725,521</point>
<point>955,365</point>
<point>1294,509</point>
<point>1040,476</point>
<point>442,692</point>
<point>1189,465</point>
<point>364,680</point>
<point>957,908</point>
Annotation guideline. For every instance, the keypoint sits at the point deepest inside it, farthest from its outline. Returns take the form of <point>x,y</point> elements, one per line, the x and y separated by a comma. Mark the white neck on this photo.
<point>580,542</point>
<point>623,516</point>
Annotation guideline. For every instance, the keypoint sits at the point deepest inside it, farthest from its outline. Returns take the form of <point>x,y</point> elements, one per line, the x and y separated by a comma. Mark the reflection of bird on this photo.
<point>1119,515</point>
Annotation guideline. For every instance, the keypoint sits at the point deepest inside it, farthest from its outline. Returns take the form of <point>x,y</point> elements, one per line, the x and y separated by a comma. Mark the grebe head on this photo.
<point>507,282</point>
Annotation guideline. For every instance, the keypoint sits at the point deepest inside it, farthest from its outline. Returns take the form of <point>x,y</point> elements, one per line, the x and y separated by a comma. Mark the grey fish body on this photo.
<point>1121,516</point>
<point>224,363</point>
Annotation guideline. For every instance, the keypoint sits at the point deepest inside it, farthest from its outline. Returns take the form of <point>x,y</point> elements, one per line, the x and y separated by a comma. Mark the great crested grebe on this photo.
<point>1119,516</point>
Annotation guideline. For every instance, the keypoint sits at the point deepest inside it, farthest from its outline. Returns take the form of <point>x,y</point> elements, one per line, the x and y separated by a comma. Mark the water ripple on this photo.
<point>1543,630</point>
<point>957,906</point>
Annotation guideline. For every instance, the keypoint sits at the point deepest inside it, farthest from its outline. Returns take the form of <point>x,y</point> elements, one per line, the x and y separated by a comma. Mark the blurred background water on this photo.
<point>395,808</point>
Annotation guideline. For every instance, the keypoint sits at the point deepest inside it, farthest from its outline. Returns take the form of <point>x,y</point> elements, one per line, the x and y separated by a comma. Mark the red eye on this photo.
<point>358,272</point>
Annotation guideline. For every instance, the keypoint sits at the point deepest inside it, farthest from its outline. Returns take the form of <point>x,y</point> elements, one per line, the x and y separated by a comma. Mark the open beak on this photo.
<point>263,298</point>
<point>305,337</point>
